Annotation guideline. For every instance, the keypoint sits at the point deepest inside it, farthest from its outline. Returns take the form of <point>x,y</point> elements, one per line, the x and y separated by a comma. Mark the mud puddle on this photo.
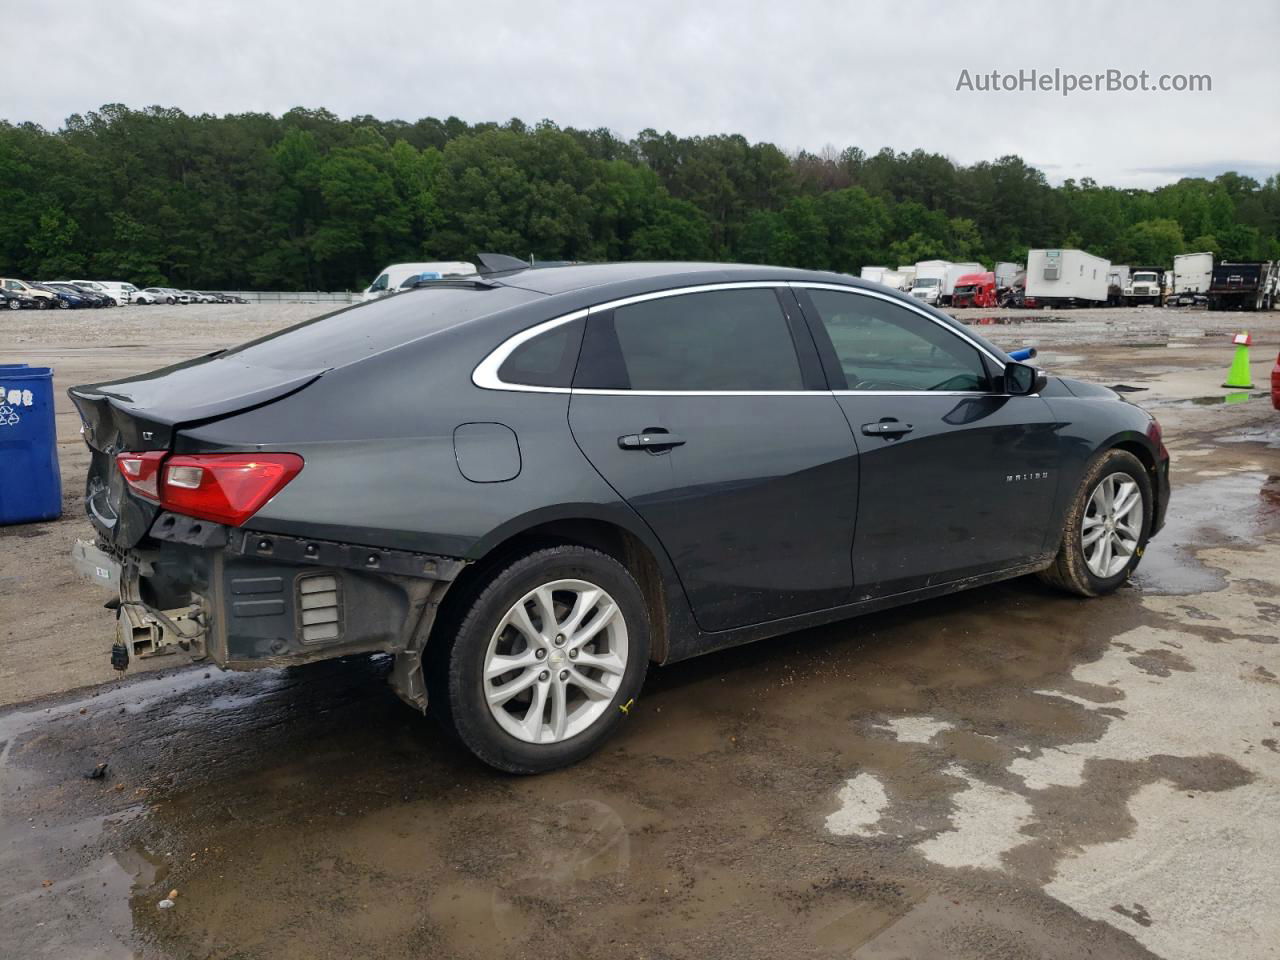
<point>1235,509</point>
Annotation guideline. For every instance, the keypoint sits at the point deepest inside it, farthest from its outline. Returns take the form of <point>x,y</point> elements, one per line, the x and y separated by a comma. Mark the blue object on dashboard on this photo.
<point>30,482</point>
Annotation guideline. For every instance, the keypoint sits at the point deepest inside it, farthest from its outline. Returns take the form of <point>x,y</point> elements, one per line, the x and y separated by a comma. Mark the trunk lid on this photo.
<point>145,412</point>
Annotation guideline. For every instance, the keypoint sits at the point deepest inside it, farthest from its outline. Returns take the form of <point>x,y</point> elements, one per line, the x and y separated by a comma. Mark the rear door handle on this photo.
<point>887,428</point>
<point>655,440</point>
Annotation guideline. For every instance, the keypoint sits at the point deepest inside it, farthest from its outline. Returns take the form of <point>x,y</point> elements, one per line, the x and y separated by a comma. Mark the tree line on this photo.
<point>312,201</point>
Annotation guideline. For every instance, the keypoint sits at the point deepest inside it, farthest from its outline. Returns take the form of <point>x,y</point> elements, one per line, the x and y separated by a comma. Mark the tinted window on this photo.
<point>721,340</point>
<point>354,333</point>
<point>883,346</point>
<point>546,360</point>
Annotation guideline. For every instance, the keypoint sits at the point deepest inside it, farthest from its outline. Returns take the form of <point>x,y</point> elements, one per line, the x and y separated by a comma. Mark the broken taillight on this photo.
<point>223,487</point>
<point>142,472</point>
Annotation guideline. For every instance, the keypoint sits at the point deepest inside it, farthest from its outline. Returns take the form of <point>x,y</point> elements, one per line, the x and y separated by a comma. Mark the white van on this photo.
<point>117,290</point>
<point>391,278</point>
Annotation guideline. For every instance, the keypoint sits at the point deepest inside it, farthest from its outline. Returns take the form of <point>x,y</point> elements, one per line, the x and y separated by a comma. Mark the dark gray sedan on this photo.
<point>528,486</point>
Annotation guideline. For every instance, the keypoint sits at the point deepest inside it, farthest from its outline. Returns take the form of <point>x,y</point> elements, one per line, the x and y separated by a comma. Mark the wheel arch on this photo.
<point>611,532</point>
<point>1140,446</point>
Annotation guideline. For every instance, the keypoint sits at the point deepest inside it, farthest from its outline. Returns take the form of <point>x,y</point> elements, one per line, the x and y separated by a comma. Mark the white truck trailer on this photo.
<point>874,274</point>
<point>1006,272</point>
<point>1192,273</point>
<point>1066,278</point>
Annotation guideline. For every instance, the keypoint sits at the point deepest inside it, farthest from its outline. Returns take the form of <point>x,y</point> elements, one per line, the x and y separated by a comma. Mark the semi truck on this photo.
<point>1117,282</point>
<point>975,290</point>
<point>929,280</point>
<point>1146,286</point>
<point>1066,278</point>
<point>1244,286</point>
<point>1192,273</point>
<point>874,274</point>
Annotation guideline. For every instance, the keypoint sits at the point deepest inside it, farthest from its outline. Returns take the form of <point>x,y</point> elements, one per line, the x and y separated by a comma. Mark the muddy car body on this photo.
<point>527,486</point>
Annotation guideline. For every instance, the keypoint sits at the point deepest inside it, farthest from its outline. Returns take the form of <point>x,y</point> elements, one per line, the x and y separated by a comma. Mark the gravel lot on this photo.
<point>1003,773</point>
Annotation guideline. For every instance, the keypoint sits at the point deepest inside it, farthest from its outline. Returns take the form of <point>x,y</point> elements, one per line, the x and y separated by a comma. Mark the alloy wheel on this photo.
<point>1111,525</point>
<point>555,661</point>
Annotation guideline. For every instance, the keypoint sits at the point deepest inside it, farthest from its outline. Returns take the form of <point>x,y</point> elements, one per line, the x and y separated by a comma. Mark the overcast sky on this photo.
<point>801,73</point>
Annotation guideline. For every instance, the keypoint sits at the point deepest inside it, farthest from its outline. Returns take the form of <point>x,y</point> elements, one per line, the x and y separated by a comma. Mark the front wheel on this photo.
<point>546,661</point>
<point>1106,527</point>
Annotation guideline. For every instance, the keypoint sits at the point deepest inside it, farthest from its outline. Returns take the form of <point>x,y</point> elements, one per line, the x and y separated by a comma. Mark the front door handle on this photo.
<point>654,439</point>
<point>887,428</point>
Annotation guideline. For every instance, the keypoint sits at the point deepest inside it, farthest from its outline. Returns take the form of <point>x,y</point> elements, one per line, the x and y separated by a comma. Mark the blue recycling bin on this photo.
<point>30,482</point>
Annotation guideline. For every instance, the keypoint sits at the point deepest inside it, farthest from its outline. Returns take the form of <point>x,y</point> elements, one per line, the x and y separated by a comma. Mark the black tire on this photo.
<point>170,301</point>
<point>455,671</point>
<point>1069,571</point>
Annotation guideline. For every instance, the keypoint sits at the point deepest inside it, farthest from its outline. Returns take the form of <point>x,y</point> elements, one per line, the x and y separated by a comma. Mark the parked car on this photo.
<point>96,298</point>
<point>215,297</point>
<point>161,295</point>
<point>198,296</point>
<point>232,298</point>
<point>527,487</point>
<point>94,286</point>
<point>10,300</point>
<point>44,299</point>
<point>1275,384</point>
<point>68,297</point>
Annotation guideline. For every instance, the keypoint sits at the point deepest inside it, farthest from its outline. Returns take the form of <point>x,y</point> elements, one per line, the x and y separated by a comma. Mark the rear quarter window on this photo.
<point>547,360</point>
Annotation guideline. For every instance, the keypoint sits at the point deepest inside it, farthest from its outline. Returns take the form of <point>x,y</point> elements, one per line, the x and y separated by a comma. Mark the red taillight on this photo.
<point>224,487</point>
<point>1156,436</point>
<point>142,471</point>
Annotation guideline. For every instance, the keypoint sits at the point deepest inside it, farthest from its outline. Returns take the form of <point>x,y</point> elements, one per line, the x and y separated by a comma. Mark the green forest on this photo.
<point>310,201</point>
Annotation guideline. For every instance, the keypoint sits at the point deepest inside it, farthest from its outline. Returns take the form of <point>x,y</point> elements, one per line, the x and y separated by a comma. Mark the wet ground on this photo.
<point>1008,772</point>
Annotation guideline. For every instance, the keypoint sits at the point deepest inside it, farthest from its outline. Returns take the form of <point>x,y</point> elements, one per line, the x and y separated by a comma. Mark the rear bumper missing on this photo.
<point>246,600</point>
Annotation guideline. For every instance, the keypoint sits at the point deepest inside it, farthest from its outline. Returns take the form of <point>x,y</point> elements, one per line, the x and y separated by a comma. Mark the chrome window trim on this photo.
<point>485,375</point>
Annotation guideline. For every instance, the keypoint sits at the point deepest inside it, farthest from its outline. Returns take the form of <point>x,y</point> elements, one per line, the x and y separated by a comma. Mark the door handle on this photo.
<point>655,440</point>
<point>887,428</point>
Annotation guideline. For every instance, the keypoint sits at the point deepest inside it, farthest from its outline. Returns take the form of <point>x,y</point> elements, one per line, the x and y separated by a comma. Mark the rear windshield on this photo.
<point>353,333</point>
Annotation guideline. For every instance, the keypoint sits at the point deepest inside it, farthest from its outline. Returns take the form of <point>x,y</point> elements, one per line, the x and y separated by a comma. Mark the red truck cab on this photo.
<point>975,290</point>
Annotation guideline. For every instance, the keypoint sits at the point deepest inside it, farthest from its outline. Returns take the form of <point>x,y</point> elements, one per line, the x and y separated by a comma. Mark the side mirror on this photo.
<point>1022,379</point>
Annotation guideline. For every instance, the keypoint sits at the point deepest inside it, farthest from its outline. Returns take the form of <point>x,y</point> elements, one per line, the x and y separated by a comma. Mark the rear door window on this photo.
<point>716,341</point>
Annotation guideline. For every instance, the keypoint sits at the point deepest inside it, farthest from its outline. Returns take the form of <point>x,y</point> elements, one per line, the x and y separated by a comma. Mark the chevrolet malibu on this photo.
<point>528,485</point>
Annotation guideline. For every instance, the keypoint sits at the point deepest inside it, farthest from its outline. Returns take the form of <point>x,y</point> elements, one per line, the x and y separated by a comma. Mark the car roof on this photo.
<point>657,275</point>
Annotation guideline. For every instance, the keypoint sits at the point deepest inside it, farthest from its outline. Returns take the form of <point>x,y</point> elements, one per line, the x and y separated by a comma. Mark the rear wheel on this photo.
<point>546,660</point>
<point>1106,527</point>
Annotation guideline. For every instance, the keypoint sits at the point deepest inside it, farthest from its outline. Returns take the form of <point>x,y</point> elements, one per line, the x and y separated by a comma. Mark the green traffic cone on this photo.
<point>1238,377</point>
